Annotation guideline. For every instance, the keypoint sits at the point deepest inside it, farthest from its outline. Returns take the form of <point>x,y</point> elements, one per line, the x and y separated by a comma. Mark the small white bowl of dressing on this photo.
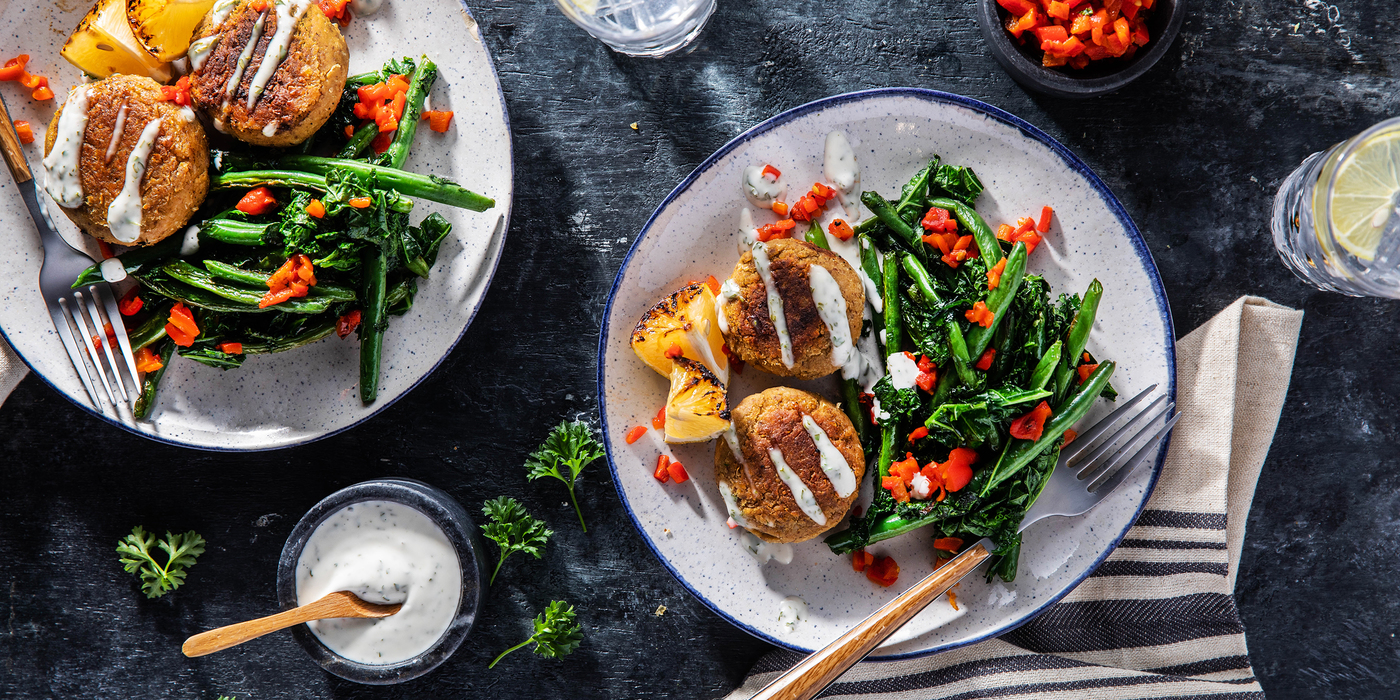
<point>387,541</point>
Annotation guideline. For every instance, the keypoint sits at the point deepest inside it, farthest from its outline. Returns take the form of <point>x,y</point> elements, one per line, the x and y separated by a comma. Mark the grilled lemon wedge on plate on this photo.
<point>697,406</point>
<point>682,325</point>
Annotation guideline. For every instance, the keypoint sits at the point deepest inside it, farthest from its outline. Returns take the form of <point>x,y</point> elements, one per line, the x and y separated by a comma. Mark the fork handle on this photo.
<point>824,666</point>
<point>10,146</point>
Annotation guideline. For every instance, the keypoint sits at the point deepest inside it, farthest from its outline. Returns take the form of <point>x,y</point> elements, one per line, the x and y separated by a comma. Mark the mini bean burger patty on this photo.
<point>173,178</point>
<point>288,104</point>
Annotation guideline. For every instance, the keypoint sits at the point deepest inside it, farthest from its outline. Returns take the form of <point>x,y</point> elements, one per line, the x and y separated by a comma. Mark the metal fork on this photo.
<point>76,313</point>
<point>1078,483</point>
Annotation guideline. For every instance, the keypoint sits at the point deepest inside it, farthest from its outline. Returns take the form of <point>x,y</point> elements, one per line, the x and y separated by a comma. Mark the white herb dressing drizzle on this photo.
<point>729,291</point>
<point>61,179</point>
<point>243,59</point>
<point>736,515</point>
<point>366,7</point>
<point>831,307</point>
<point>189,245</point>
<point>113,271</point>
<point>221,11</point>
<point>289,13</point>
<point>187,114</point>
<point>200,49</point>
<point>116,139</point>
<point>124,214</point>
<point>903,370</point>
<point>270,129</point>
<point>839,166</point>
<point>748,234</point>
<point>731,438</point>
<point>834,464</point>
<point>763,550</point>
<point>775,302</point>
<point>850,252</point>
<point>759,189</point>
<point>800,493</point>
<point>791,611</point>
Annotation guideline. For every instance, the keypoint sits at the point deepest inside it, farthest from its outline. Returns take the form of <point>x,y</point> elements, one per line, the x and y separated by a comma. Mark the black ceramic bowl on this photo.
<point>1100,77</point>
<point>461,532</point>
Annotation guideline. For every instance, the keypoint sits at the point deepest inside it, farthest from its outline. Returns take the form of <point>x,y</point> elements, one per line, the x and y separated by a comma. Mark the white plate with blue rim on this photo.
<point>693,233</point>
<point>293,397</point>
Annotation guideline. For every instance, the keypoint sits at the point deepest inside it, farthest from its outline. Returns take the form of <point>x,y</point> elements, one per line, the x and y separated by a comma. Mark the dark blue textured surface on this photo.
<point>1194,150</point>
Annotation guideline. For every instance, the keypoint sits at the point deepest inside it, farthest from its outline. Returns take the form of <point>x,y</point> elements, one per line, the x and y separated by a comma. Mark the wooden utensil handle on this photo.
<point>822,668</point>
<point>10,146</point>
<point>233,635</point>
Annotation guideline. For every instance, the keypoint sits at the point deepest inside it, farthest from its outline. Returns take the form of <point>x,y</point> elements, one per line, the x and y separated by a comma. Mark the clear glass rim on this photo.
<point>571,9</point>
<point>1349,150</point>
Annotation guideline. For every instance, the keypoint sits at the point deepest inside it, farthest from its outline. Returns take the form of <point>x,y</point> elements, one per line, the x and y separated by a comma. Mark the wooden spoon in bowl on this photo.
<point>338,604</point>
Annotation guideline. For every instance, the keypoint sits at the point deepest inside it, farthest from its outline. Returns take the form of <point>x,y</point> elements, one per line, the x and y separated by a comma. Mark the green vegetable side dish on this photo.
<point>138,557</point>
<point>367,258</point>
<point>513,530</point>
<point>570,447</point>
<point>557,633</point>
<point>1039,346</point>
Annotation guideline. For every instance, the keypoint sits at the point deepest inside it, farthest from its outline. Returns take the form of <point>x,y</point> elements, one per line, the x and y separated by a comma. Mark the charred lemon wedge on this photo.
<point>103,44</point>
<point>682,325</point>
<point>164,27</point>
<point>697,406</point>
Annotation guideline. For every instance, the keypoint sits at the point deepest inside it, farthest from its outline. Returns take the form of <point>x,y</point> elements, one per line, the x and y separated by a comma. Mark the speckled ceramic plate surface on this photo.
<point>694,233</point>
<point>292,397</point>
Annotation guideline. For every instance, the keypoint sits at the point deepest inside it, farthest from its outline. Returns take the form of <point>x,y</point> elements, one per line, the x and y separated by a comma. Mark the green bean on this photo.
<point>256,278</point>
<point>1078,338</point>
<point>434,189</point>
<point>424,75</point>
<point>972,221</point>
<point>882,209</point>
<point>999,300</point>
<point>922,280</point>
<point>133,260</point>
<point>153,329</point>
<point>310,335</point>
<point>243,179</point>
<point>374,322</point>
<point>958,347</point>
<point>359,143</point>
<point>238,300</point>
<point>1019,453</point>
<point>817,237</point>
<point>913,194</point>
<point>151,382</point>
<point>234,232</point>
<point>870,262</point>
<point>893,323</point>
<point>1046,367</point>
<point>850,395</point>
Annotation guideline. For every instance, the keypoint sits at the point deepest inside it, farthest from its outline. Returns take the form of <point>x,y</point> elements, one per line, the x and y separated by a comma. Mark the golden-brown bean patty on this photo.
<point>300,96</point>
<point>773,419</point>
<point>176,177</point>
<point>752,336</point>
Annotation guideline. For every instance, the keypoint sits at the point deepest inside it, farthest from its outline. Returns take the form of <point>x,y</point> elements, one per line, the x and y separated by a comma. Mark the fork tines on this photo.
<point>1098,467</point>
<point>89,331</point>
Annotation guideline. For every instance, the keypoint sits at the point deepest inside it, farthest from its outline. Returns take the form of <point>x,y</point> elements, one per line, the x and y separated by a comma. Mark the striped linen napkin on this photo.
<point>12,370</point>
<point>1158,618</point>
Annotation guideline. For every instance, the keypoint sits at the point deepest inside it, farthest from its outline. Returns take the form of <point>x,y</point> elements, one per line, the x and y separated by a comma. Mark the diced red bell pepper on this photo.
<point>952,545</point>
<point>24,130</point>
<point>662,472</point>
<point>438,120</point>
<point>780,229</point>
<point>780,208</point>
<point>926,380</point>
<point>1017,7</point>
<point>905,469</point>
<point>770,170</point>
<point>919,433</point>
<point>316,209</point>
<point>677,472</point>
<point>231,348</point>
<point>636,434</point>
<point>840,229</point>
<point>861,559</point>
<point>984,362</point>
<point>1058,10</point>
<point>1053,32</point>
<point>345,325</point>
<point>14,68</point>
<point>883,571</point>
<point>147,361</point>
<point>130,304</point>
<point>1085,371</point>
<point>658,421</point>
<point>382,142</point>
<point>713,284</point>
<point>1031,425</point>
<point>956,472</point>
<point>994,274</point>
<point>1070,435</point>
<point>259,200</point>
<point>1043,225</point>
<point>895,486</point>
<point>182,318</point>
<point>359,202</point>
<point>980,315</point>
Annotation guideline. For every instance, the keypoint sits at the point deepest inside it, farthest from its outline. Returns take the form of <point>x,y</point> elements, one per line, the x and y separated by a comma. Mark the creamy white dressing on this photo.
<point>270,129</point>
<point>834,465</point>
<point>220,12</point>
<point>791,611</point>
<point>189,245</point>
<point>124,214</point>
<point>116,139</point>
<point>187,114</point>
<point>800,493</point>
<point>761,190</point>
<point>850,252</point>
<point>736,516</point>
<point>831,307</point>
<point>243,59</point>
<point>112,270</point>
<point>731,438</point>
<point>775,302</point>
<point>383,552</point>
<point>61,180</point>
<point>199,50</point>
<point>748,233</point>
<point>903,370</point>
<point>920,487</point>
<point>366,7</point>
<point>839,166</point>
<point>289,13</point>
<point>729,291</point>
<point>765,551</point>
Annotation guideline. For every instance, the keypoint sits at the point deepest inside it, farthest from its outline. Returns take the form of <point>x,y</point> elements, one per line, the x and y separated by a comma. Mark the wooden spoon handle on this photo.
<point>9,145</point>
<point>233,635</point>
<point>822,668</point>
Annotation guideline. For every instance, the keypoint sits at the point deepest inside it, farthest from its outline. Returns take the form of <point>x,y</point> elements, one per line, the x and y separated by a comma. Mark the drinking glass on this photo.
<point>640,27</point>
<point>1336,219</point>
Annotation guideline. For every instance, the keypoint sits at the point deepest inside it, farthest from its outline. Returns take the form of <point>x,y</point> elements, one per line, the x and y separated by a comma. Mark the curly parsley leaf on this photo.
<point>563,455</point>
<point>557,633</point>
<point>157,579</point>
<point>513,529</point>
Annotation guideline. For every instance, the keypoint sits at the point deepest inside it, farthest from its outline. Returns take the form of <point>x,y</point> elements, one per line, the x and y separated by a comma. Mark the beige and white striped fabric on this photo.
<point>1158,618</point>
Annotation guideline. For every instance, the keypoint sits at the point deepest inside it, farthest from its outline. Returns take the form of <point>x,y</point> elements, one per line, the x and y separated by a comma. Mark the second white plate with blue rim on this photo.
<point>294,397</point>
<point>693,233</point>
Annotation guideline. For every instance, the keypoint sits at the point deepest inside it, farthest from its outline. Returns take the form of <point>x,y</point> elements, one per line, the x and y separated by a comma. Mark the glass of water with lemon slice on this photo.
<point>1336,219</point>
<point>640,27</point>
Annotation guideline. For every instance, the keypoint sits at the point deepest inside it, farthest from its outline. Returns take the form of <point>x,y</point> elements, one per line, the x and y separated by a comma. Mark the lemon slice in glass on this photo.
<point>1365,194</point>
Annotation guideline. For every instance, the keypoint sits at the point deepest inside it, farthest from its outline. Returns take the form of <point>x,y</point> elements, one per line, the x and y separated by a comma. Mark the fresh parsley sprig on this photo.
<point>557,633</point>
<point>156,579</point>
<point>563,455</point>
<point>513,529</point>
